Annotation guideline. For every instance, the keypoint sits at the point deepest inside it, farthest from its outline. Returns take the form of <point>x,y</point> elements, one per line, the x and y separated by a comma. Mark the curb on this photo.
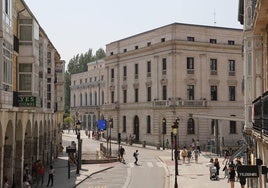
<point>92,175</point>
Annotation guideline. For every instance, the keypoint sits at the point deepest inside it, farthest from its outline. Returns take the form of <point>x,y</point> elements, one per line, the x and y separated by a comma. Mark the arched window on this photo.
<point>90,99</point>
<point>190,126</point>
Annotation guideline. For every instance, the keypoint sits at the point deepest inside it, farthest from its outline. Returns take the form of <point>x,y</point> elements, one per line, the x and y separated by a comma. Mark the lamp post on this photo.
<point>111,126</point>
<point>164,131</point>
<point>172,143</point>
<point>175,131</point>
<point>78,126</point>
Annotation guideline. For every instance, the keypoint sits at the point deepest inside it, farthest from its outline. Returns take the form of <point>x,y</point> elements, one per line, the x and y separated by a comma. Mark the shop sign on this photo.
<point>248,171</point>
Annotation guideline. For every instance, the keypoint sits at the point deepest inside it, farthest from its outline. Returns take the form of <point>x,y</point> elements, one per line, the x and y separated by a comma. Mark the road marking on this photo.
<point>159,164</point>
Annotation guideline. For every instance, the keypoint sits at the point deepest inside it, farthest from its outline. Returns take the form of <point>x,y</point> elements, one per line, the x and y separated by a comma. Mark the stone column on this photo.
<point>18,164</point>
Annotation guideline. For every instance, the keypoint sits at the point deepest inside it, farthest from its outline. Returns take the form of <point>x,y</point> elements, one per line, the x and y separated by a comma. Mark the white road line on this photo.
<point>150,164</point>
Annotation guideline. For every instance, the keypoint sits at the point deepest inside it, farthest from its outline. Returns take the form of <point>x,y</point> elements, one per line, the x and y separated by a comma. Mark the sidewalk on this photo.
<point>194,175</point>
<point>61,169</point>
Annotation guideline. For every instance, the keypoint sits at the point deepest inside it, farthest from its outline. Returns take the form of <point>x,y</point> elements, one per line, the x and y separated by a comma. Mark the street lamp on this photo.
<point>78,167</point>
<point>164,131</point>
<point>111,126</point>
<point>175,132</point>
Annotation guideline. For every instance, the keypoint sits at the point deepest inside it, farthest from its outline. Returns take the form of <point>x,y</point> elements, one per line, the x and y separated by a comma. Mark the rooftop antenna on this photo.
<point>214,14</point>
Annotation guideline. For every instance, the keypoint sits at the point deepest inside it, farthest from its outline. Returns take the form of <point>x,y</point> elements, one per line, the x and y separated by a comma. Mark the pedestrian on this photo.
<point>135,155</point>
<point>226,170</point>
<point>121,154</point>
<point>196,154</point>
<point>198,145</point>
<point>184,154</point>
<point>210,165</point>
<point>231,178</point>
<point>6,185</point>
<point>41,172</point>
<point>189,154</point>
<point>217,165</point>
<point>51,175</point>
<point>242,179</point>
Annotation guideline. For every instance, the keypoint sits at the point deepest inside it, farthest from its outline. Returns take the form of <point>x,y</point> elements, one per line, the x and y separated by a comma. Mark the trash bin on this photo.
<point>144,144</point>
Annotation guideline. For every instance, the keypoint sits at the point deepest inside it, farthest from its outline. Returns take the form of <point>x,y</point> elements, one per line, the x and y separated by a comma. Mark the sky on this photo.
<point>74,27</point>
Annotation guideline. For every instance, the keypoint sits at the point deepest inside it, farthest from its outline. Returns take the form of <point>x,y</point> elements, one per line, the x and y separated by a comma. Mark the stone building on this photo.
<point>253,17</point>
<point>175,71</point>
<point>31,92</point>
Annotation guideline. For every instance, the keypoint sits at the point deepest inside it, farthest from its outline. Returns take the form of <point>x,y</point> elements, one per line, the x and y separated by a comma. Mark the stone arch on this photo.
<point>8,151</point>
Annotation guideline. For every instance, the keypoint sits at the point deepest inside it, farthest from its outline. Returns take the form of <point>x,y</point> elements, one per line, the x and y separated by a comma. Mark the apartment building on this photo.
<point>31,92</point>
<point>184,71</point>
<point>253,17</point>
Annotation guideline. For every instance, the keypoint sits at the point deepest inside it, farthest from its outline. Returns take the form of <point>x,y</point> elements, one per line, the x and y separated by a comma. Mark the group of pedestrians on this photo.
<point>190,153</point>
<point>122,152</point>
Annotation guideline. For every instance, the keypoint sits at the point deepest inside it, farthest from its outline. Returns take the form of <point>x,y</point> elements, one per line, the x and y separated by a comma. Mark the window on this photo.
<point>148,124</point>
<point>112,75</point>
<point>190,92</point>
<point>74,100</point>
<point>231,93</point>
<point>190,39</point>
<point>112,96</point>
<point>125,73</point>
<point>136,47</point>
<point>125,50</point>
<point>164,66</point>
<point>136,95</point>
<point>232,127</point>
<point>231,42</point>
<point>231,67</point>
<point>190,65</point>
<point>213,41</point>
<point>81,80</point>
<point>149,94</point>
<point>102,97</point>
<point>163,39</point>
<point>148,68</point>
<point>149,43</point>
<point>90,98</point>
<point>213,93</point>
<point>112,53</point>
<point>124,96</point>
<point>212,124</point>
<point>124,124</point>
<point>96,98</point>
<point>81,100</point>
<point>190,126</point>
<point>213,66</point>
<point>25,77</point>
<point>136,71</point>
<point>164,92</point>
<point>7,64</point>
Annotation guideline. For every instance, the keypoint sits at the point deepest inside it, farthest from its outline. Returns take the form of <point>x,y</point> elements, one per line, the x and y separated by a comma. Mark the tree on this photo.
<point>68,121</point>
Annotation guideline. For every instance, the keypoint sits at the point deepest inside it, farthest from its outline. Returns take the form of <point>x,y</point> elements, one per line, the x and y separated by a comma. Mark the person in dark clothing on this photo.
<point>217,165</point>
<point>121,153</point>
<point>136,153</point>
<point>231,179</point>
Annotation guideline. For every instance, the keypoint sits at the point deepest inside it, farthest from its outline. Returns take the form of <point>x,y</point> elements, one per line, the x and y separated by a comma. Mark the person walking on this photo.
<point>196,154</point>
<point>231,178</point>
<point>189,154</point>
<point>51,175</point>
<point>41,172</point>
<point>135,155</point>
<point>184,154</point>
<point>217,165</point>
<point>121,154</point>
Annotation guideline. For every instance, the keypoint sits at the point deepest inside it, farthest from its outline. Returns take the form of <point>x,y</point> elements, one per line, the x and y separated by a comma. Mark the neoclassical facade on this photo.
<point>184,71</point>
<point>31,92</point>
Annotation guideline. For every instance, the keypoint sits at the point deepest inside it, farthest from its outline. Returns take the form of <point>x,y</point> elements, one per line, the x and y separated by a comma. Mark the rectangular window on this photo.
<point>136,71</point>
<point>149,94</point>
<point>231,93</point>
<point>231,42</point>
<point>231,67</point>
<point>164,66</point>
<point>124,124</point>
<point>164,92</point>
<point>148,43</point>
<point>190,92</point>
<point>213,93</point>
<point>163,39</point>
<point>136,47</point>
<point>136,95</point>
<point>148,124</point>
<point>112,96</point>
<point>125,73</point>
<point>124,96</point>
<point>213,66</point>
<point>25,82</point>
<point>212,124</point>
<point>190,65</point>
<point>190,39</point>
<point>213,41</point>
<point>112,75</point>
<point>148,68</point>
<point>125,50</point>
<point>232,127</point>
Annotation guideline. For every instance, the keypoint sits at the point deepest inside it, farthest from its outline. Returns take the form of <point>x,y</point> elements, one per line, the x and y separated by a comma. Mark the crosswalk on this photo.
<point>147,164</point>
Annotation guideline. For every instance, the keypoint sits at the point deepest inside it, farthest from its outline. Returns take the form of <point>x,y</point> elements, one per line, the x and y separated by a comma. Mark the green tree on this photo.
<point>68,121</point>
